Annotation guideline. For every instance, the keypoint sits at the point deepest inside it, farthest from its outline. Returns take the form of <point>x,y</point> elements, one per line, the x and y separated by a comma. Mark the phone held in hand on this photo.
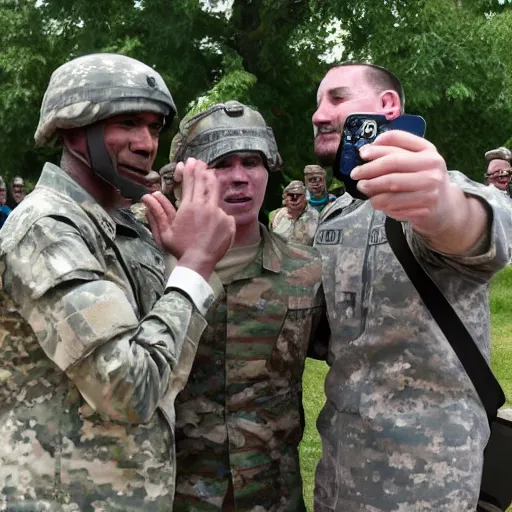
<point>361,129</point>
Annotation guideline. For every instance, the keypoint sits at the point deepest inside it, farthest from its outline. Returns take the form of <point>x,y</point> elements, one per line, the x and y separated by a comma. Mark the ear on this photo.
<point>390,104</point>
<point>76,141</point>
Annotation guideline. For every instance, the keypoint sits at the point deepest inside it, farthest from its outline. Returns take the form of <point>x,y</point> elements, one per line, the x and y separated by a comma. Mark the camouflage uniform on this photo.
<point>301,230</point>
<point>87,391</point>
<point>239,415</point>
<point>403,428</point>
<point>239,418</point>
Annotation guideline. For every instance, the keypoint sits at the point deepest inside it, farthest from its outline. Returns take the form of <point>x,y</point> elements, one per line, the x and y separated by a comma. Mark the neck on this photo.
<point>320,196</point>
<point>248,234</point>
<point>98,188</point>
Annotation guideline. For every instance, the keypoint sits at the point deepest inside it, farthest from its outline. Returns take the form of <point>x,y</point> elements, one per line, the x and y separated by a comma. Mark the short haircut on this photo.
<point>378,77</point>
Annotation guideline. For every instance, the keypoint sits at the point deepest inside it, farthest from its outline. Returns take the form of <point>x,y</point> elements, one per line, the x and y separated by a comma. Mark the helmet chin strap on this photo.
<point>102,165</point>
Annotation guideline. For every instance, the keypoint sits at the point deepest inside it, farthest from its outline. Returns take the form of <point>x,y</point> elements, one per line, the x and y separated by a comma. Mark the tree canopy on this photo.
<point>452,56</point>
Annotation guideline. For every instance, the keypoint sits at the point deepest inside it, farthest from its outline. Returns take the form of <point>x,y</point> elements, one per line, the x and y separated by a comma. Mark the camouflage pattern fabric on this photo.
<point>91,288</point>
<point>222,129</point>
<point>239,418</point>
<point>301,230</point>
<point>403,428</point>
<point>97,86</point>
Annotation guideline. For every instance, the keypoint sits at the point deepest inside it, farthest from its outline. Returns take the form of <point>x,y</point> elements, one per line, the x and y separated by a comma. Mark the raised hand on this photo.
<point>406,178</point>
<point>199,233</point>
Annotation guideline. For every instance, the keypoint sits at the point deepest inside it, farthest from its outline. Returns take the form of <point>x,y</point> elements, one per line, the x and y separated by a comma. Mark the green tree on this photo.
<point>452,56</point>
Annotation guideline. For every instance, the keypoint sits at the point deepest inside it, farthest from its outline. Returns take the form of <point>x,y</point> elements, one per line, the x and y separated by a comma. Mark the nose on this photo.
<point>321,114</point>
<point>239,174</point>
<point>143,141</point>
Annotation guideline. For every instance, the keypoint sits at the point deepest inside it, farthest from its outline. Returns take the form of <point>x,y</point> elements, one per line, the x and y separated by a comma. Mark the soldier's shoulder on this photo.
<point>290,251</point>
<point>40,204</point>
<point>341,206</point>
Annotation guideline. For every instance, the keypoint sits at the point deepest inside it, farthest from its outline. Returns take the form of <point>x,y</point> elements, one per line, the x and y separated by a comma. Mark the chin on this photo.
<point>245,219</point>
<point>325,155</point>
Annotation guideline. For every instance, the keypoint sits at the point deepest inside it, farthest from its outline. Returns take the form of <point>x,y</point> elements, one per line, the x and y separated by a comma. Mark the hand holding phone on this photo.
<point>361,129</point>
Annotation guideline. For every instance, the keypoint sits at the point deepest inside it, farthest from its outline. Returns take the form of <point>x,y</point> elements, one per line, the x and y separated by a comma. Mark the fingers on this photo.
<point>397,183</point>
<point>154,231</point>
<point>386,160</point>
<point>404,140</point>
<point>213,188</point>
<point>160,210</point>
<point>192,173</point>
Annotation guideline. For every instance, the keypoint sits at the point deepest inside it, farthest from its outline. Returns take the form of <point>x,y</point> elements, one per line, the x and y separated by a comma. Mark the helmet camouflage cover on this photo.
<point>314,170</point>
<point>97,86</point>
<point>501,153</point>
<point>222,129</point>
<point>294,187</point>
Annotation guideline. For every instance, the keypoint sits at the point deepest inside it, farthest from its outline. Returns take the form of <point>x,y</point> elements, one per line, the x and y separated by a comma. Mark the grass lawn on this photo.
<point>501,335</point>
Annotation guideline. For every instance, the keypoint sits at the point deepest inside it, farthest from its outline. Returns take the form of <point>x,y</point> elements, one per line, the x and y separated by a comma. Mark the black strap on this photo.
<point>487,387</point>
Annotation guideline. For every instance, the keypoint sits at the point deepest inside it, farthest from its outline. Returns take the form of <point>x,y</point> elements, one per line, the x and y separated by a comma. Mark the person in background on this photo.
<point>17,192</point>
<point>499,171</point>
<point>4,209</point>
<point>316,185</point>
<point>297,220</point>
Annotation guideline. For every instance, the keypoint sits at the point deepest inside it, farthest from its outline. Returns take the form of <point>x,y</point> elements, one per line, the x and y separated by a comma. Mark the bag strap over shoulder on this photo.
<point>487,387</point>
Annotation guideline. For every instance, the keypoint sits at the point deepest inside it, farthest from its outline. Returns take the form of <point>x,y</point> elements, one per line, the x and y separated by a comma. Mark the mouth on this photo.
<point>138,170</point>
<point>328,131</point>
<point>238,200</point>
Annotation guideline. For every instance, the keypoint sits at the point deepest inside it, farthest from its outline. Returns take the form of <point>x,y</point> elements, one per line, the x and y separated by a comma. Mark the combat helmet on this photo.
<point>95,87</point>
<point>294,187</point>
<point>222,129</point>
<point>314,170</point>
<point>500,153</point>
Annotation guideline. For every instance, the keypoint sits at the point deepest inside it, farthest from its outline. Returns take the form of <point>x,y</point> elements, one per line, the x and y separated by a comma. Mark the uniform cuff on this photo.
<point>193,285</point>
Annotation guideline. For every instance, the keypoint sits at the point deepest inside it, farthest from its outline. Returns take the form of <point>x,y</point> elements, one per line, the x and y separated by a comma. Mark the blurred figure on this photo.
<point>317,195</point>
<point>297,220</point>
<point>4,209</point>
<point>498,169</point>
<point>167,182</point>
<point>17,192</point>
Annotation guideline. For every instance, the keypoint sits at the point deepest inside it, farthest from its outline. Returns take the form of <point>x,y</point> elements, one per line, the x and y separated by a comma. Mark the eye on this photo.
<point>221,164</point>
<point>156,128</point>
<point>251,162</point>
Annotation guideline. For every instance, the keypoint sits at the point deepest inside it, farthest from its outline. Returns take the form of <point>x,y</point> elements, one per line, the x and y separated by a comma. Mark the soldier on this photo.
<point>4,209</point>
<point>498,169</point>
<point>317,195</point>
<point>403,428</point>
<point>297,221</point>
<point>239,418</point>
<point>87,394</point>
<point>17,192</point>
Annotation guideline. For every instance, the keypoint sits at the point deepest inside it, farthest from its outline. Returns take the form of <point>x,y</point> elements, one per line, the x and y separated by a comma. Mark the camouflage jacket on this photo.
<point>403,428</point>
<point>240,415</point>
<point>301,230</point>
<point>91,288</point>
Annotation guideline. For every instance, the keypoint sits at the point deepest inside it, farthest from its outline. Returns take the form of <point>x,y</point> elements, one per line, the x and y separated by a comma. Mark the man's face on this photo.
<point>343,91</point>
<point>498,174</point>
<point>295,202</point>
<point>3,195</point>
<point>243,180</point>
<point>132,141</point>
<point>17,192</point>
<point>316,184</point>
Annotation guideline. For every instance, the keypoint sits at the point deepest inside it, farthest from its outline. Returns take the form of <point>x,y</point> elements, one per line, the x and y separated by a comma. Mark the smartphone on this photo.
<point>361,129</point>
